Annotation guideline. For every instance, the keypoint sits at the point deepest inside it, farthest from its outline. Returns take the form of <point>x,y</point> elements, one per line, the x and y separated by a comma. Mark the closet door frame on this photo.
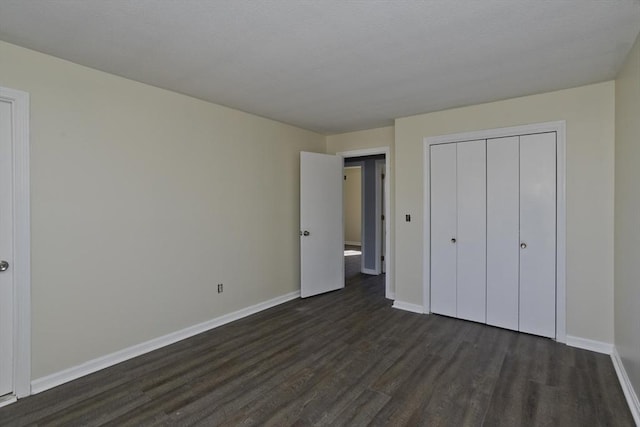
<point>559,128</point>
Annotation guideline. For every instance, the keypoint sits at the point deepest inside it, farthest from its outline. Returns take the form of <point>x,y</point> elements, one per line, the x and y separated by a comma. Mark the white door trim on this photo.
<point>19,101</point>
<point>389,285</point>
<point>561,215</point>
<point>379,171</point>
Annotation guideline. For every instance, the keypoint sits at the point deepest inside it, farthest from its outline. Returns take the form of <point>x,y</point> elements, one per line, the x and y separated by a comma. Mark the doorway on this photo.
<point>352,206</point>
<point>373,244</point>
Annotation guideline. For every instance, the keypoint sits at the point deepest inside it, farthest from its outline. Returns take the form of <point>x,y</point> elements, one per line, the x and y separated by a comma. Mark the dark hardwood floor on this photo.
<point>343,358</point>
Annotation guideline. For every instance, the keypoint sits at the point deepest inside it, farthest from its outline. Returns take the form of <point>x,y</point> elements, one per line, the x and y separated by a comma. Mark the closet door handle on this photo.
<point>523,245</point>
<point>453,240</point>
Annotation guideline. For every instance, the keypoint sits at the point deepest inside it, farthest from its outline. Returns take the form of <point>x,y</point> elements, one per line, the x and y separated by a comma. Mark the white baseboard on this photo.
<point>606,348</point>
<point>350,243</point>
<point>390,295</point>
<point>406,306</point>
<point>586,344</point>
<point>627,387</point>
<point>45,383</point>
<point>370,271</point>
<point>7,400</point>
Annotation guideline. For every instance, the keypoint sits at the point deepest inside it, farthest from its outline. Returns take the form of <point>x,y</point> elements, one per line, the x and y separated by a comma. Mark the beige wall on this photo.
<point>134,223</point>
<point>142,201</point>
<point>589,115</point>
<point>352,204</point>
<point>373,138</point>
<point>627,214</point>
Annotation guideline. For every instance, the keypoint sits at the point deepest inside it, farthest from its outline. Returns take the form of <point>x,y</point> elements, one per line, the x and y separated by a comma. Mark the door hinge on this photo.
<point>345,177</point>
<point>382,176</point>
<point>382,258</point>
<point>383,217</point>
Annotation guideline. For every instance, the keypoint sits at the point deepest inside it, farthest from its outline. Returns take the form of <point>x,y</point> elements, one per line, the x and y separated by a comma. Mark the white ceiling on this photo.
<point>336,65</point>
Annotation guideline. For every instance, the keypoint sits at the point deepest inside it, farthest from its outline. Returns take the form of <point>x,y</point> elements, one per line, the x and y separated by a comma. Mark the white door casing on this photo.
<point>388,253</point>
<point>383,226</point>
<point>321,224</point>
<point>379,170</point>
<point>15,246</point>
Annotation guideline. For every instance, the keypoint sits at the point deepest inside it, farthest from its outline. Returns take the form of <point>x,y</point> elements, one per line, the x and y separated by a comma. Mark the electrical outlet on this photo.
<point>220,288</point>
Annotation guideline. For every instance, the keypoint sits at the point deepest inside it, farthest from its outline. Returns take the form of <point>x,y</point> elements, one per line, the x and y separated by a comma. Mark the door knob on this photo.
<point>453,240</point>
<point>523,245</point>
<point>305,233</point>
<point>4,265</point>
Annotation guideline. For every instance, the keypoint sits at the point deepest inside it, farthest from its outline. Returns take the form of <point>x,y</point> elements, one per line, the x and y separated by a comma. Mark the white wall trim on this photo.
<point>407,306</point>
<point>7,400</point>
<point>350,243</point>
<point>497,132</point>
<point>627,387</point>
<point>70,374</point>
<point>363,211</point>
<point>561,217</point>
<point>390,288</point>
<point>591,345</point>
<point>19,101</point>
<point>370,271</point>
<point>561,235</point>
<point>378,168</point>
<point>364,152</point>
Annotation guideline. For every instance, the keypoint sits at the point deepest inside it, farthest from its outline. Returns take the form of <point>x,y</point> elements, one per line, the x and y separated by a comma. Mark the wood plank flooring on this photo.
<point>343,359</point>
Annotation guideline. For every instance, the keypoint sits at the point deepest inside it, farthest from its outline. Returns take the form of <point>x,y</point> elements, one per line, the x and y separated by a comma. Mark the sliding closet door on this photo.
<point>503,232</point>
<point>471,231</point>
<point>443,229</point>
<point>538,234</point>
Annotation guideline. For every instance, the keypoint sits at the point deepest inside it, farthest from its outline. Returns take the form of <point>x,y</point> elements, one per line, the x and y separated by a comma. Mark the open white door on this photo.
<point>6,251</point>
<point>321,224</point>
<point>15,298</point>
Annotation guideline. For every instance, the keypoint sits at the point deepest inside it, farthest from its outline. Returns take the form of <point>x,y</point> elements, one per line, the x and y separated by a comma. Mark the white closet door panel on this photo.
<point>443,229</point>
<point>538,234</point>
<point>503,230</point>
<point>471,236</point>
